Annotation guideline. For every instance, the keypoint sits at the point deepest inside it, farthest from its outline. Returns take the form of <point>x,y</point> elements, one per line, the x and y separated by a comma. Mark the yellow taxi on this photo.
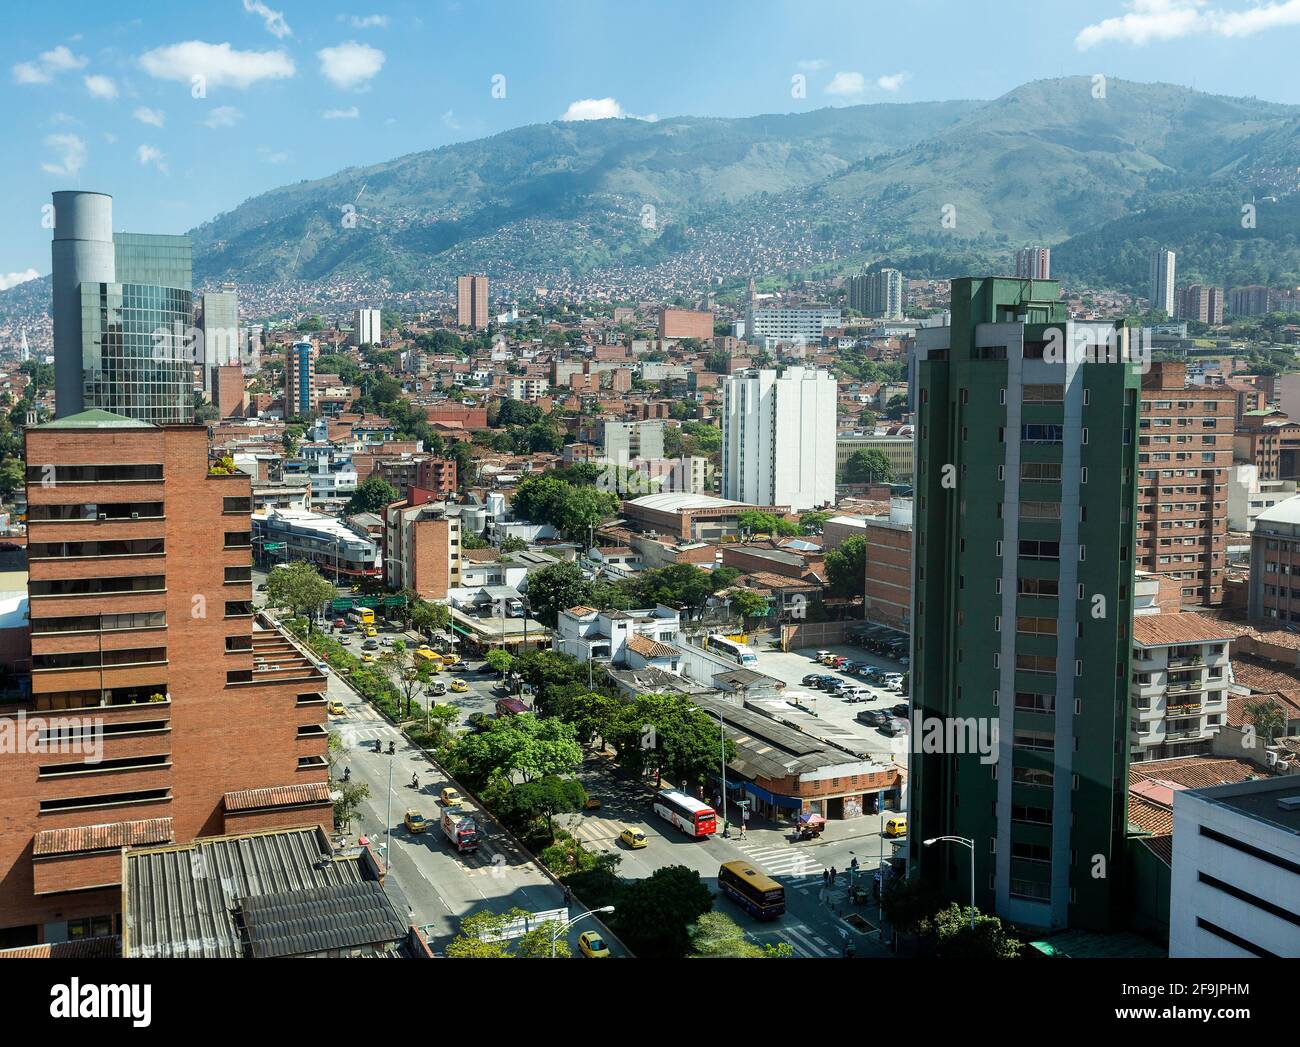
<point>896,826</point>
<point>335,708</point>
<point>450,659</point>
<point>371,631</point>
<point>452,797</point>
<point>592,945</point>
<point>633,839</point>
<point>367,657</point>
<point>414,821</point>
<point>458,686</point>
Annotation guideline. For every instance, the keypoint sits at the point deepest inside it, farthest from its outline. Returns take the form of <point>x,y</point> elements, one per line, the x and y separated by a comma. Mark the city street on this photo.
<point>439,885</point>
<point>814,925</point>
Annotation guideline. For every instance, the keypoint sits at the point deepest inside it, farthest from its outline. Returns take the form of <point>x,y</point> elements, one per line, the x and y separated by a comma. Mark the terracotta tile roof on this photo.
<point>581,611</point>
<point>480,555</point>
<point>1195,772</point>
<point>1161,846</point>
<point>108,837</point>
<point>83,949</point>
<point>1264,676</point>
<point>1237,715</point>
<point>648,648</point>
<point>1278,638</point>
<point>1159,630</point>
<point>1150,817</point>
<point>278,796</point>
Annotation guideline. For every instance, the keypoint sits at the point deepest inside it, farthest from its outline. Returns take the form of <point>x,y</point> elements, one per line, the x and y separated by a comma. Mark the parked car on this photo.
<point>825,682</point>
<point>872,717</point>
<point>592,945</point>
<point>894,726</point>
<point>820,655</point>
<point>811,679</point>
<point>900,709</point>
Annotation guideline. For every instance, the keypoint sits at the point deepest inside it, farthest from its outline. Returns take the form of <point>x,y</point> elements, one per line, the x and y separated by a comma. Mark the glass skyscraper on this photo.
<point>123,305</point>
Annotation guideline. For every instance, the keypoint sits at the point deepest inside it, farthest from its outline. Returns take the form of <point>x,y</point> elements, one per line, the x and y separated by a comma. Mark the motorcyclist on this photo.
<point>415,781</point>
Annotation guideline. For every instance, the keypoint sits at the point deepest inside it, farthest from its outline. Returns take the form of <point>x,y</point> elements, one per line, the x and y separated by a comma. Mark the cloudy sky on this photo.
<point>182,111</point>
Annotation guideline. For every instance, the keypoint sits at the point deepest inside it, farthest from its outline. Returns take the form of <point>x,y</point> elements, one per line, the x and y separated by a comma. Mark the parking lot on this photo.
<point>792,666</point>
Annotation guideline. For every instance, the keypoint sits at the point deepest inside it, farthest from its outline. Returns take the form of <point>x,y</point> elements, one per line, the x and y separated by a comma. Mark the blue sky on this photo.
<point>99,95</point>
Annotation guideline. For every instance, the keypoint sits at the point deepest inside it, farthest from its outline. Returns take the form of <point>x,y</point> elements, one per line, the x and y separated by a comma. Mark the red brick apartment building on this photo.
<point>160,710</point>
<point>1185,446</point>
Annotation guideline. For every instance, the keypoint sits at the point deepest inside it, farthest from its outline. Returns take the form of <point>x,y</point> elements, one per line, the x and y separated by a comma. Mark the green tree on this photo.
<point>654,916</point>
<point>948,932</point>
<point>812,523</point>
<point>716,935</point>
<point>352,794</point>
<point>846,567</point>
<point>426,617</point>
<point>479,938</point>
<point>499,661</point>
<point>371,496</point>
<point>556,588</point>
<point>682,585</point>
<point>753,521</point>
<point>1267,717</point>
<point>407,674</point>
<point>749,604</point>
<point>665,736</point>
<point>524,745</point>
<point>13,477</point>
<point>300,588</point>
<point>868,465</point>
<point>542,799</point>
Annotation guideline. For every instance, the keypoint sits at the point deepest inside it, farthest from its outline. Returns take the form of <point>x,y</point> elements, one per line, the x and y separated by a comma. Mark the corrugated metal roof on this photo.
<point>277,796</point>
<point>105,837</point>
<point>340,916</point>
<point>180,901</point>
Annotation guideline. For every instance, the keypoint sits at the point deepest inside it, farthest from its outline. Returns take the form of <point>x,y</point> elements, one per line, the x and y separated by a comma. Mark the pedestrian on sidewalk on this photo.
<point>826,878</point>
<point>832,876</point>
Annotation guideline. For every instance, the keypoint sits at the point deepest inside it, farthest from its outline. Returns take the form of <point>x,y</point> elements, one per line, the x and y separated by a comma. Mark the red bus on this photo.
<point>510,707</point>
<point>687,813</point>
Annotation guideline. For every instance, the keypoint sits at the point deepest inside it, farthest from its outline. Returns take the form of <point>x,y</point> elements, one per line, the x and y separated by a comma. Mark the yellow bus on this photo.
<point>759,895</point>
<point>366,615</point>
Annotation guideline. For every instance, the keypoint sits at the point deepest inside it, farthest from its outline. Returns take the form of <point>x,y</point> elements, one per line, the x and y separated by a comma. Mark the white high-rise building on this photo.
<point>778,438</point>
<point>366,327</point>
<point>1162,280</point>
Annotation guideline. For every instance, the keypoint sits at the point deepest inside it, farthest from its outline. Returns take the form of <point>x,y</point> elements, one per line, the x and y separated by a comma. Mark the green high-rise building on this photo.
<point>1023,568</point>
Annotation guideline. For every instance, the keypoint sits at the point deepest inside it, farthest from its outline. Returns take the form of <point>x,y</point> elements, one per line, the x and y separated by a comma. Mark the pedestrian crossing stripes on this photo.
<point>803,940</point>
<point>598,831</point>
<point>785,862</point>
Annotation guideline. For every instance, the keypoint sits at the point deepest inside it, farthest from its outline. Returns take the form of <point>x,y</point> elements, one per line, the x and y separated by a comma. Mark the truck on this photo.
<point>461,829</point>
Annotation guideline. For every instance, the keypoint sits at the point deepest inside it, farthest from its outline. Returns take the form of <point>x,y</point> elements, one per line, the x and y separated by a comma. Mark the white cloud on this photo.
<point>47,66</point>
<point>101,86</point>
<point>812,65</point>
<point>846,84</point>
<point>153,117</point>
<point>271,156</point>
<point>593,109</point>
<point>891,81</point>
<point>1160,20</point>
<point>273,20</point>
<point>110,138</point>
<point>341,114</point>
<point>351,64</point>
<point>369,21</point>
<point>150,155</point>
<point>219,64</point>
<point>223,116</point>
<point>71,152</point>
<point>449,120</point>
<point>8,280</point>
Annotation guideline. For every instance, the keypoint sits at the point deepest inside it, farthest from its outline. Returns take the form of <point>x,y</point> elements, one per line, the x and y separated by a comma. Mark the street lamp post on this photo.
<point>569,923</point>
<point>965,843</point>
<point>388,819</point>
<point>722,738</point>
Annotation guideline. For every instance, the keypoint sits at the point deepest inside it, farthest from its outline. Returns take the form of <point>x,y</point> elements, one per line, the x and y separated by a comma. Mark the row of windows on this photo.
<point>75,474</point>
<point>85,623</point>
<point>94,586</point>
<point>119,547</point>
<point>95,511</point>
